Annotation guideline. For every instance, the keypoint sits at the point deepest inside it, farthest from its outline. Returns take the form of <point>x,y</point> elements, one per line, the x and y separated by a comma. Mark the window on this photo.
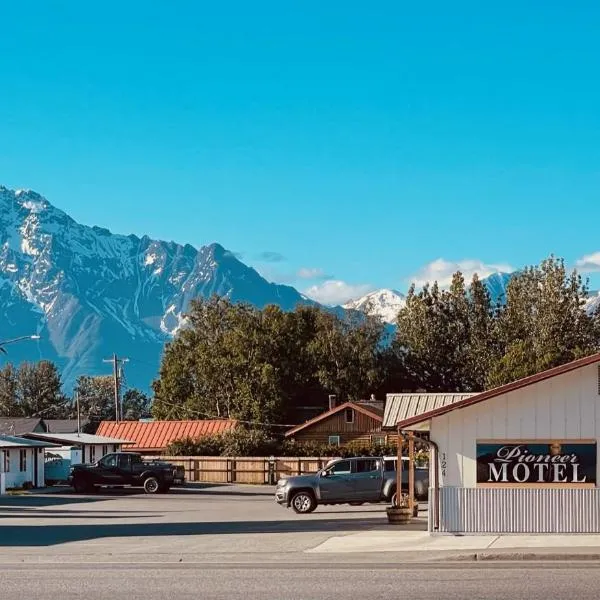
<point>109,461</point>
<point>349,415</point>
<point>92,454</point>
<point>344,467</point>
<point>23,461</point>
<point>378,440</point>
<point>367,465</point>
<point>104,450</point>
<point>390,465</point>
<point>334,440</point>
<point>7,461</point>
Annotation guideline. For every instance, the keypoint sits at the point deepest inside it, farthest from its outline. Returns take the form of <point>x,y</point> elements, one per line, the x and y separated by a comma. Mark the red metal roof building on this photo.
<point>155,436</point>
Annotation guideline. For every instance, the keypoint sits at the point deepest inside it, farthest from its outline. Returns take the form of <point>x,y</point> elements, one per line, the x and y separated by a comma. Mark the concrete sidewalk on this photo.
<point>419,544</point>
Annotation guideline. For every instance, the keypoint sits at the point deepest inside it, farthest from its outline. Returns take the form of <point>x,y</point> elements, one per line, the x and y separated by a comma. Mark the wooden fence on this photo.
<point>254,470</point>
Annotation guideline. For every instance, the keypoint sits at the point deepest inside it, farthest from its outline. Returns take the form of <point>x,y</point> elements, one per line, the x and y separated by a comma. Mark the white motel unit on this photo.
<point>21,462</point>
<point>522,458</point>
<point>74,448</point>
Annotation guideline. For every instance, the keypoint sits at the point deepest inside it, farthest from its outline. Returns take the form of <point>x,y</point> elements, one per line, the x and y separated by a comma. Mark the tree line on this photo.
<point>35,390</point>
<point>260,366</point>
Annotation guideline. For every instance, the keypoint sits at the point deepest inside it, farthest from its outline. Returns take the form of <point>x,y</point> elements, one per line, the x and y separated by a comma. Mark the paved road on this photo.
<point>291,582</point>
<point>206,520</point>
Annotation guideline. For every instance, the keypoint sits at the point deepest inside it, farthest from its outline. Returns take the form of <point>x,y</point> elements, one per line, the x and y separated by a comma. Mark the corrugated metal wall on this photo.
<point>519,510</point>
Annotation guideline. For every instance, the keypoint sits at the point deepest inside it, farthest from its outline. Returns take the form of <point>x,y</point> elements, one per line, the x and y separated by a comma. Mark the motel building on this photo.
<point>21,462</point>
<point>521,458</point>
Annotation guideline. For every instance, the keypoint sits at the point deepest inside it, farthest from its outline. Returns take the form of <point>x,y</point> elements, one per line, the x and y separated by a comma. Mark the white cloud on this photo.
<point>441,270</point>
<point>311,273</point>
<point>334,291</point>
<point>590,263</point>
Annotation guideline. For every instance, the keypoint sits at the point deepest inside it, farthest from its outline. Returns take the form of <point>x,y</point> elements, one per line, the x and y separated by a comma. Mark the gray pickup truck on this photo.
<point>351,481</point>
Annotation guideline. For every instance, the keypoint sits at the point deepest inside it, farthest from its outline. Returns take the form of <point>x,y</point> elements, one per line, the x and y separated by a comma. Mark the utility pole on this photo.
<point>78,413</point>
<point>116,361</point>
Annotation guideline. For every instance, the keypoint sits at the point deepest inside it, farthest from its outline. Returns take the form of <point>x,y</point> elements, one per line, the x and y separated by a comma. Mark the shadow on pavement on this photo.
<point>26,501</point>
<point>49,535</point>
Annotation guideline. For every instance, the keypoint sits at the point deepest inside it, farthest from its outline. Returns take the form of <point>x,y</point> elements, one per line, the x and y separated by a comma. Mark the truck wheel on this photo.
<point>80,485</point>
<point>394,498</point>
<point>151,485</point>
<point>303,503</point>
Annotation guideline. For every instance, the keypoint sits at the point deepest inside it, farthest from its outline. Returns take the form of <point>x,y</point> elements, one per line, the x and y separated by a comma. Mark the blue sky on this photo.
<point>338,147</point>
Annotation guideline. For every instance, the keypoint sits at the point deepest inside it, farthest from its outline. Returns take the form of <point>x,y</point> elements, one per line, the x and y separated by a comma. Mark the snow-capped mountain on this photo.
<point>382,303</point>
<point>593,303</point>
<point>386,303</point>
<point>89,293</point>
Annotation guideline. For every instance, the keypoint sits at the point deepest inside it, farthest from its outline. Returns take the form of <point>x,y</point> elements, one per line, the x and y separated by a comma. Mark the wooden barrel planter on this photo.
<point>399,516</point>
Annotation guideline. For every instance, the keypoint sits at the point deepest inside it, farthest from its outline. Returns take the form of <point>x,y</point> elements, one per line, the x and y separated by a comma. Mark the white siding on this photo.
<point>563,407</point>
<point>14,477</point>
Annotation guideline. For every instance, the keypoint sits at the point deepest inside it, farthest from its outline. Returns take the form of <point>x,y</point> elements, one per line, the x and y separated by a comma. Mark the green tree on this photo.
<point>39,392</point>
<point>136,405</point>
<point>255,365</point>
<point>543,323</point>
<point>8,392</point>
<point>348,354</point>
<point>425,340</point>
<point>96,397</point>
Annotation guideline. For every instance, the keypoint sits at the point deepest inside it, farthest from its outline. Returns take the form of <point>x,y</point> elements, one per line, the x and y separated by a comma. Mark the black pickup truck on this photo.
<point>125,469</point>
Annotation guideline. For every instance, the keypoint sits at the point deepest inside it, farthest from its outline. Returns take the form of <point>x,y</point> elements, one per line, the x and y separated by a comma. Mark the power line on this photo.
<point>218,418</point>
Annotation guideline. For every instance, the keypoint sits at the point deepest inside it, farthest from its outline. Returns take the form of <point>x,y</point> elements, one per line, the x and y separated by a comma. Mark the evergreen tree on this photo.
<point>543,323</point>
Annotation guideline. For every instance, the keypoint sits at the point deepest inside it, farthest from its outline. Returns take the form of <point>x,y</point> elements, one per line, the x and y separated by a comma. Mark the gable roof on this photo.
<point>18,425</point>
<point>369,411</point>
<point>157,435</point>
<point>399,407</point>
<point>63,425</point>
<point>499,391</point>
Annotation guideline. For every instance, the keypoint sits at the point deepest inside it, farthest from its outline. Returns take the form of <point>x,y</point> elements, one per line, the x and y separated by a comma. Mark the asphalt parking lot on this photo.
<point>198,520</point>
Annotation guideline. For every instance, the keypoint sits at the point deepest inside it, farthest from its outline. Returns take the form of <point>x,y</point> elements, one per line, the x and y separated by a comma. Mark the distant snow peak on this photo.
<point>384,303</point>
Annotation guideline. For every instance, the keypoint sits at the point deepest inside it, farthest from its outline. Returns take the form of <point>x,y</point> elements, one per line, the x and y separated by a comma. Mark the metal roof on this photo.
<point>157,435</point>
<point>399,407</point>
<point>75,439</point>
<point>11,441</point>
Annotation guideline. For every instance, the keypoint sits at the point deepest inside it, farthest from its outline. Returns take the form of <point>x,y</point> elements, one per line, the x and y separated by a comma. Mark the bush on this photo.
<point>238,442</point>
<point>256,442</point>
<point>249,442</point>
<point>208,445</point>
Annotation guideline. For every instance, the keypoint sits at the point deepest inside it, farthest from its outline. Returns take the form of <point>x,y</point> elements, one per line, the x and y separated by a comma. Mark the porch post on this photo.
<point>399,469</point>
<point>411,470</point>
<point>2,475</point>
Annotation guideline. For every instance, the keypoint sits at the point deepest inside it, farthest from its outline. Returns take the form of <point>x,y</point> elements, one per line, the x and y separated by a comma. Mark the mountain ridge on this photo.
<point>89,292</point>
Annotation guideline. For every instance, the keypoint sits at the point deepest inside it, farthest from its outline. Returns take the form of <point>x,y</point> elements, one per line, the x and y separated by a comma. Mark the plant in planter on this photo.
<point>401,513</point>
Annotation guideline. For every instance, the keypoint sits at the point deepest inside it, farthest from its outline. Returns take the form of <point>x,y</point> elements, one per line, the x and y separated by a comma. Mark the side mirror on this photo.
<point>324,473</point>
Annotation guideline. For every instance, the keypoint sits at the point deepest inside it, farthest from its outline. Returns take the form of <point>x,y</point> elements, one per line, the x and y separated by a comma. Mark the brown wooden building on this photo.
<point>351,422</point>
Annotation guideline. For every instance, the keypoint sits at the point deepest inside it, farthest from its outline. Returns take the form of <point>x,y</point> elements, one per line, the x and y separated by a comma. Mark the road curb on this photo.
<point>515,556</point>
